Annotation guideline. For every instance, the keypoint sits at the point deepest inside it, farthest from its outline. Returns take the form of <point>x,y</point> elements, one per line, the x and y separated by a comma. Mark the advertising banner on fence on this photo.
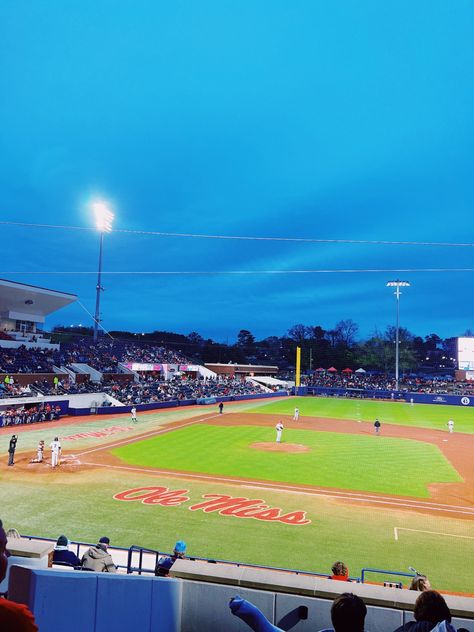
<point>138,366</point>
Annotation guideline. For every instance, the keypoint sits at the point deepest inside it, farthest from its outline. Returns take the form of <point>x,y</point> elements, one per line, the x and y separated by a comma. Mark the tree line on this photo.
<point>339,347</point>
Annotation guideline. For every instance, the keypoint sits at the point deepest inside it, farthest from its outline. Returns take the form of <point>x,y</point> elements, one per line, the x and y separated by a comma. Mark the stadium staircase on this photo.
<point>80,367</point>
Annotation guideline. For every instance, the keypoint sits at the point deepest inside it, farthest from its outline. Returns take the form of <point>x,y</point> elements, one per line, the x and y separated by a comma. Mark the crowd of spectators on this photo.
<point>409,384</point>
<point>106,354</point>
<point>152,389</point>
<point>26,360</point>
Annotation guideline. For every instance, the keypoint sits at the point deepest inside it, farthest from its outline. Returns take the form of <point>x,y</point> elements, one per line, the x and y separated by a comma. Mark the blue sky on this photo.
<point>340,120</point>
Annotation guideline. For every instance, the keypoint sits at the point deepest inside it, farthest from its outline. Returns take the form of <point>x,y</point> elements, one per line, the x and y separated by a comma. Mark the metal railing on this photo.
<point>134,566</point>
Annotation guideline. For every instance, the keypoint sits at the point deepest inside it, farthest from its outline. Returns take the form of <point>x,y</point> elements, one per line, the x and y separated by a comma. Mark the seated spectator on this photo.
<point>3,541</point>
<point>63,554</point>
<point>420,583</point>
<point>340,572</point>
<point>13,533</point>
<point>430,609</point>
<point>348,614</point>
<point>98,559</point>
<point>166,562</point>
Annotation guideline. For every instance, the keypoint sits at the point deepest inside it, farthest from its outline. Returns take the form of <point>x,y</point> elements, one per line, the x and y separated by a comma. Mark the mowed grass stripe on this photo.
<point>352,462</point>
<point>419,415</point>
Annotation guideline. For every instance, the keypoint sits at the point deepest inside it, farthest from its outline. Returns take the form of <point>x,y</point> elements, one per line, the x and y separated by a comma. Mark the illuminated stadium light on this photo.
<point>397,284</point>
<point>103,221</point>
<point>103,216</point>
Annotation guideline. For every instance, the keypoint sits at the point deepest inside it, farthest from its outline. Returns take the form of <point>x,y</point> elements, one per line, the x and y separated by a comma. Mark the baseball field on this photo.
<point>331,490</point>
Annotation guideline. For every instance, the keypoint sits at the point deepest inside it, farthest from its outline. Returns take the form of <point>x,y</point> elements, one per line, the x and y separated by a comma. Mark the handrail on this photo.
<point>141,550</point>
<point>380,570</point>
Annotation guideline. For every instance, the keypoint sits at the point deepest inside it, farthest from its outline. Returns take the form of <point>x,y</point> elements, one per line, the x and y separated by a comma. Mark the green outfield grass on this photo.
<point>81,506</point>
<point>355,462</point>
<point>421,415</point>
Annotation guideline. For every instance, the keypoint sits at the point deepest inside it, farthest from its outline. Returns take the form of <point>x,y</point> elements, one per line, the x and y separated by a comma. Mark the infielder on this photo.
<point>377,425</point>
<point>134,414</point>
<point>55,452</point>
<point>279,428</point>
<point>296,416</point>
<point>450,425</point>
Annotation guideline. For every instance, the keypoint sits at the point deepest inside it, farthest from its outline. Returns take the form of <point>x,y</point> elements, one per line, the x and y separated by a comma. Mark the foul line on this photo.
<point>151,433</point>
<point>451,535</point>
<point>382,500</point>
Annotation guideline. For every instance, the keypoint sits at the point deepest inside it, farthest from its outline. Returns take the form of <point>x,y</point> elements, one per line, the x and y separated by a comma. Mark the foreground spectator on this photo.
<point>98,559</point>
<point>63,554</point>
<point>3,538</point>
<point>340,572</point>
<point>430,609</point>
<point>14,617</point>
<point>165,563</point>
<point>348,614</point>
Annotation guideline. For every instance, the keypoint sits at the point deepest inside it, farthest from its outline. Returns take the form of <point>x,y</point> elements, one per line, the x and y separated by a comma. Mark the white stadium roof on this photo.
<point>20,301</point>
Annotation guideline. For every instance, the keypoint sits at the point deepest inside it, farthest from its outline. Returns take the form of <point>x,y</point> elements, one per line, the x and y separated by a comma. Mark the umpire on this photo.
<point>11,450</point>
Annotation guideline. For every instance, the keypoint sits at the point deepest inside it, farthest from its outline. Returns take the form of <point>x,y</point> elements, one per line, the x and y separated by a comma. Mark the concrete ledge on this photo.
<point>304,585</point>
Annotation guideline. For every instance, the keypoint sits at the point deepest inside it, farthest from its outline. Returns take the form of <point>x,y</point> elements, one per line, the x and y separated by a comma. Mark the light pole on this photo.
<point>397,284</point>
<point>103,221</point>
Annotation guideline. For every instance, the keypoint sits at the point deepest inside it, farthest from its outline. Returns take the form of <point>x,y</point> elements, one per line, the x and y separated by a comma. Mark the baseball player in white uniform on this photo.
<point>296,416</point>
<point>279,428</point>
<point>450,425</point>
<point>55,452</point>
<point>134,414</point>
<point>40,451</point>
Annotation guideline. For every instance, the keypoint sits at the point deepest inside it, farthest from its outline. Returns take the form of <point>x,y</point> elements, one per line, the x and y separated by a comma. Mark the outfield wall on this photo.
<point>418,398</point>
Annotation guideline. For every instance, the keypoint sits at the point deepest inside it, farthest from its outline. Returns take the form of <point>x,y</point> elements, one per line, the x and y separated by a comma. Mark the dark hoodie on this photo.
<point>97,559</point>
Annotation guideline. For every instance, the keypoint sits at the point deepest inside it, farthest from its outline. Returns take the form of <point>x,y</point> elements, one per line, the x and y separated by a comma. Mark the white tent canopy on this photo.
<point>361,370</point>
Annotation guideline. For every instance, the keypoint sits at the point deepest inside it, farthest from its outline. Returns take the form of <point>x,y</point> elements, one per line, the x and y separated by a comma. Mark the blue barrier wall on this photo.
<point>418,398</point>
<point>97,602</point>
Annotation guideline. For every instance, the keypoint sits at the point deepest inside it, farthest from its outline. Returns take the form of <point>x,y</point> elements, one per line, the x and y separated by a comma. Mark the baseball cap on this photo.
<point>62,541</point>
<point>104,540</point>
<point>180,546</point>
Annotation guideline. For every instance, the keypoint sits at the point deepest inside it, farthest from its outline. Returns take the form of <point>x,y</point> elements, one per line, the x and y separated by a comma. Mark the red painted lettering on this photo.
<point>295,517</point>
<point>224,505</point>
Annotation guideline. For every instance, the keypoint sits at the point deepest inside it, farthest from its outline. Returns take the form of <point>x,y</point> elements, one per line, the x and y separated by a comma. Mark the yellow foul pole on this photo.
<point>298,367</point>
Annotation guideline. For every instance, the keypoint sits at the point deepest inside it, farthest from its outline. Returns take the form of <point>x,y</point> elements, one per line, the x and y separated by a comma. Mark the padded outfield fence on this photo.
<point>406,396</point>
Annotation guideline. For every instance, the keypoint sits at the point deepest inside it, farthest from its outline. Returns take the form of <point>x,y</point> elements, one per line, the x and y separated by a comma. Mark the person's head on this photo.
<point>431,606</point>
<point>56,439</point>
<point>13,533</point>
<point>340,569</point>
<point>62,541</point>
<point>104,542</point>
<point>180,548</point>
<point>420,583</point>
<point>348,613</point>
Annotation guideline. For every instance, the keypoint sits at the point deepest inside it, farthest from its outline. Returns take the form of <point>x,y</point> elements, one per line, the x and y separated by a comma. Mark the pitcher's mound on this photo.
<point>273,446</point>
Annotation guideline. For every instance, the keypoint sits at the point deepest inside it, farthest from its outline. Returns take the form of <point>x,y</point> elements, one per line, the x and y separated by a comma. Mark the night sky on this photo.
<point>309,119</point>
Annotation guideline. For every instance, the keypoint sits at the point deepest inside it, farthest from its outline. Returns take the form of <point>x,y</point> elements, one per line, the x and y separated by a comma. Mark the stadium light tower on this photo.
<point>397,285</point>
<point>103,221</point>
